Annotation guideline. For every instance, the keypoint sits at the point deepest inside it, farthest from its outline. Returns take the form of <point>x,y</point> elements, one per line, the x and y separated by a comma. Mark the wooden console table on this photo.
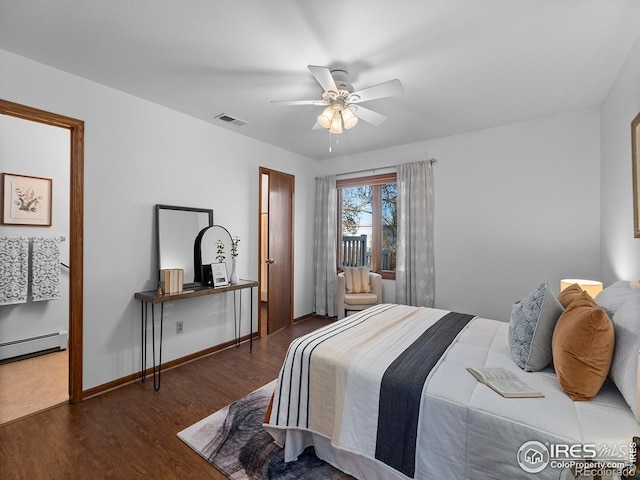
<point>151,297</point>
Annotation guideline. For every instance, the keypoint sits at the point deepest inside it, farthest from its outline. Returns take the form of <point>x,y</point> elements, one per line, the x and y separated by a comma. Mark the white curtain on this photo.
<point>324,302</point>
<point>414,261</point>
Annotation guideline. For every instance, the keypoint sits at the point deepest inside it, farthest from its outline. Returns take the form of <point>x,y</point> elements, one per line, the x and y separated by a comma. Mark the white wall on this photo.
<point>620,250</point>
<point>35,149</point>
<point>138,154</point>
<point>514,205</point>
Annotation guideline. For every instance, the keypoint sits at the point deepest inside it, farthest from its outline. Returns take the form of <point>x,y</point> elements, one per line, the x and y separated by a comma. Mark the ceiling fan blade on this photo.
<point>386,89</point>
<point>368,116</point>
<point>299,102</point>
<point>324,78</point>
<point>317,126</point>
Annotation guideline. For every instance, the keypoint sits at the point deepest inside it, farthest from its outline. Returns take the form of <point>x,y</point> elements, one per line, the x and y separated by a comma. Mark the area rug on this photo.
<point>233,441</point>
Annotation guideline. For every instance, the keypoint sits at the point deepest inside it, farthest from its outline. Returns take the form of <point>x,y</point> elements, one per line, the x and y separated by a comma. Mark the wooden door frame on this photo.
<point>267,171</point>
<point>76,229</point>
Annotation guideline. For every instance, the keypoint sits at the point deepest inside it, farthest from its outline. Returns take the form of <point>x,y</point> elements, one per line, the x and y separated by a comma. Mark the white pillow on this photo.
<point>624,368</point>
<point>614,296</point>
<point>357,279</point>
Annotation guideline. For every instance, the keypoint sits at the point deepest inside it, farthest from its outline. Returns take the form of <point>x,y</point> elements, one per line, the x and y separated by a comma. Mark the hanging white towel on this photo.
<point>14,268</point>
<point>45,269</point>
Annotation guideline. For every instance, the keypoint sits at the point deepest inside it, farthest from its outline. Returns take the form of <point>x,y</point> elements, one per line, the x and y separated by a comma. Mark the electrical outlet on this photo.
<point>179,326</point>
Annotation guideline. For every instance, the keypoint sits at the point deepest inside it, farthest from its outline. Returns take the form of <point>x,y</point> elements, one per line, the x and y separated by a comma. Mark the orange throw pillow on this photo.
<point>582,346</point>
<point>569,294</point>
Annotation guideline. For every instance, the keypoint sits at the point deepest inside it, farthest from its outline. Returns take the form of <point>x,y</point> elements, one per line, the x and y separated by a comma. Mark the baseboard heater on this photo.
<point>33,345</point>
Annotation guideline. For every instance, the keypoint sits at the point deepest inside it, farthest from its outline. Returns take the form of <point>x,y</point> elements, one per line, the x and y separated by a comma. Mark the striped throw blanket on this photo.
<point>359,381</point>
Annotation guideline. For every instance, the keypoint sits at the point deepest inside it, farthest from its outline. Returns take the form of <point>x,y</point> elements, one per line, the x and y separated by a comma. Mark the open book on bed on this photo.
<point>504,382</point>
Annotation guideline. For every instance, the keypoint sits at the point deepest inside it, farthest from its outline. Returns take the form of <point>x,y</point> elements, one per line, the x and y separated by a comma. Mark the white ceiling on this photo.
<point>465,64</point>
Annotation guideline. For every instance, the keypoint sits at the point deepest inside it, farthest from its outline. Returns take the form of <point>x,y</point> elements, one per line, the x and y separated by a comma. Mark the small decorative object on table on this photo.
<point>219,274</point>
<point>234,254</point>
<point>220,251</point>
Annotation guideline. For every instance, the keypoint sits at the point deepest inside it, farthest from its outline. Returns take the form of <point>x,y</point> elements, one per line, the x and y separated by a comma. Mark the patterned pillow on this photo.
<point>531,328</point>
<point>357,279</point>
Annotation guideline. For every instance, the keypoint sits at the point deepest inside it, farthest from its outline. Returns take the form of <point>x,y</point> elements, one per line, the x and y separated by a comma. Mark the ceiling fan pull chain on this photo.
<point>329,142</point>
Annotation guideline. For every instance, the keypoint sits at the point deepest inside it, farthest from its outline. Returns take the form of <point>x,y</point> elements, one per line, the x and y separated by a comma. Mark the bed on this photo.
<point>374,400</point>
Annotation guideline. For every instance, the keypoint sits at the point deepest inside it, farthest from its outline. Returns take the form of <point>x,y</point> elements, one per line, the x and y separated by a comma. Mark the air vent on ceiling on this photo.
<point>232,120</point>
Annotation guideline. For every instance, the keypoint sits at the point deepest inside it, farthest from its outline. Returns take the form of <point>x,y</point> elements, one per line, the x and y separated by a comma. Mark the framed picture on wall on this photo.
<point>26,200</point>
<point>635,171</point>
<point>219,274</point>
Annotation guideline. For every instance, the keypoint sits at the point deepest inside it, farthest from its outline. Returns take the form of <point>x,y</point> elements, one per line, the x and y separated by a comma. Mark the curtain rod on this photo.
<point>431,161</point>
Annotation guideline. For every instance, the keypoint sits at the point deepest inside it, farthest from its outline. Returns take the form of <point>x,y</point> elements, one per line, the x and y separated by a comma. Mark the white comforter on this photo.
<point>466,430</point>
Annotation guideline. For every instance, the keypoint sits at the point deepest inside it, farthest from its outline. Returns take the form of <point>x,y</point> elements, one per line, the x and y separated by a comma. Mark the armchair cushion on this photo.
<point>358,300</point>
<point>357,279</point>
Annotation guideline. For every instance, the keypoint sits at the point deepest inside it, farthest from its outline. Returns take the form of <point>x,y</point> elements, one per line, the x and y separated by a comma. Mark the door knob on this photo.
<point>270,261</point>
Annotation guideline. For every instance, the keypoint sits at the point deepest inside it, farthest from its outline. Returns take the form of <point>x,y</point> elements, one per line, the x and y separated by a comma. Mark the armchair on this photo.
<point>351,301</point>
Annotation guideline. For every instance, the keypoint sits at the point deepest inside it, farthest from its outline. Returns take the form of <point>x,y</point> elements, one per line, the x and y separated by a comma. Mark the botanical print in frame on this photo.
<point>219,274</point>
<point>26,200</point>
<point>635,151</point>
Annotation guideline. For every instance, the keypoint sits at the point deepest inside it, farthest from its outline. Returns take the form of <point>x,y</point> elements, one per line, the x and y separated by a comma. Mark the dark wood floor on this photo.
<point>130,433</point>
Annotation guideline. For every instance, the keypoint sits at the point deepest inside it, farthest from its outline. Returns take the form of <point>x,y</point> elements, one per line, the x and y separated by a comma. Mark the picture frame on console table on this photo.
<point>26,200</point>
<point>219,274</point>
<point>635,152</point>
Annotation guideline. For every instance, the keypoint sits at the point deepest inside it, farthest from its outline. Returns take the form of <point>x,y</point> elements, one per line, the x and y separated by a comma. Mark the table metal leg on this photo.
<point>156,384</point>
<point>251,321</point>
<point>143,339</point>
<point>237,319</point>
<point>237,322</point>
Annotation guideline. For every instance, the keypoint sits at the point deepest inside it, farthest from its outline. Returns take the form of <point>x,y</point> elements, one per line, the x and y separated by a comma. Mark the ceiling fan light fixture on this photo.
<point>324,119</point>
<point>349,119</point>
<point>336,123</point>
<point>341,102</point>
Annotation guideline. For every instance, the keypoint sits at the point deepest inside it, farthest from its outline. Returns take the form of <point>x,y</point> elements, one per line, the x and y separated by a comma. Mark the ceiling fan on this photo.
<point>342,103</point>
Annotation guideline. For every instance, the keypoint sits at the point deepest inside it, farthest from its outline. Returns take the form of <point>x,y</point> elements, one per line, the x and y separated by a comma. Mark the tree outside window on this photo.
<point>368,206</point>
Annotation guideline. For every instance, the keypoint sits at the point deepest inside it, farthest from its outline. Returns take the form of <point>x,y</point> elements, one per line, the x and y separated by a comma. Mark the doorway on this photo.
<point>275,259</point>
<point>76,226</point>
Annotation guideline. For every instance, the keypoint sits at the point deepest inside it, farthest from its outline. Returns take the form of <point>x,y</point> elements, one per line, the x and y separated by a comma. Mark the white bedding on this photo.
<point>466,430</point>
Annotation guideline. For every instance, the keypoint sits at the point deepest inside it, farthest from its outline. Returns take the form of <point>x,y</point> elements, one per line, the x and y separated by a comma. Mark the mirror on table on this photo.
<point>215,247</point>
<point>177,230</point>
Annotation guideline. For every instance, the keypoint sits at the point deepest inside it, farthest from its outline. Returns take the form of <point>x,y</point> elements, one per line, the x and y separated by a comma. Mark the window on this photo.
<point>367,230</point>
